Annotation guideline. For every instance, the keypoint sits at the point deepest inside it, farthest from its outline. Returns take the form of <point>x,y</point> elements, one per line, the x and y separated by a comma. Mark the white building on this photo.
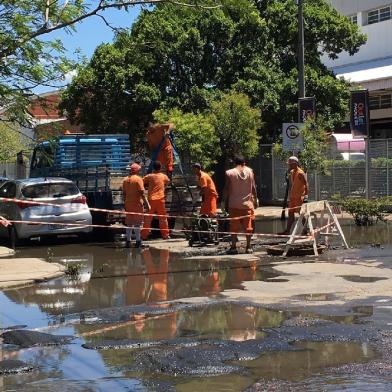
<point>371,67</point>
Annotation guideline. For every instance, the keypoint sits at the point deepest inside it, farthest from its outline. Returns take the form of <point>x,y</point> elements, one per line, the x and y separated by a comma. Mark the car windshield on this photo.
<point>51,190</point>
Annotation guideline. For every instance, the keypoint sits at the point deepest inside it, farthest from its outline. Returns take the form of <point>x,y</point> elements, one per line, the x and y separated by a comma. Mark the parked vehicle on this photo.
<point>96,163</point>
<point>3,180</point>
<point>69,206</point>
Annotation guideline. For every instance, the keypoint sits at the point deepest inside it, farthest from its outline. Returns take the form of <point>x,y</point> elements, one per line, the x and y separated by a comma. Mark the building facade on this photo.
<point>371,67</point>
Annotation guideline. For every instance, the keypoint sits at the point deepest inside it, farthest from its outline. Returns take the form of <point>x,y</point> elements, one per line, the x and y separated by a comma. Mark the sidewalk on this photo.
<point>6,252</point>
<point>23,271</point>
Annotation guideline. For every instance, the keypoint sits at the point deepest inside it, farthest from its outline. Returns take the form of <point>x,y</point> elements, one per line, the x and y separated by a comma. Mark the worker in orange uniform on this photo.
<point>298,191</point>
<point>158,137</point>
<point>209,194</point>
<point>156,182</point>
<point>134,201</point>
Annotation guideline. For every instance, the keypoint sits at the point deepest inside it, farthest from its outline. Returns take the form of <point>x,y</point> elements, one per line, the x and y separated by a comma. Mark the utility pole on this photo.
<point>301,50</point>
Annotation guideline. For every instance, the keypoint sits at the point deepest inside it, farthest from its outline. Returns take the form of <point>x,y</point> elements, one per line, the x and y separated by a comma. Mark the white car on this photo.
<point>62,203</point>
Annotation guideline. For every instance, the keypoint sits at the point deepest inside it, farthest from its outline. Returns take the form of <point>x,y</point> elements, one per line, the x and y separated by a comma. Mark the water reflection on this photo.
<point>113,276</point>
<point>292,366</point>
<point>226,321</point>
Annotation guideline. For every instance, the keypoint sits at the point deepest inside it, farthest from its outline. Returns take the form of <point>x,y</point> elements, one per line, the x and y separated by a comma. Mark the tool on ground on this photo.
<point>204,230</point>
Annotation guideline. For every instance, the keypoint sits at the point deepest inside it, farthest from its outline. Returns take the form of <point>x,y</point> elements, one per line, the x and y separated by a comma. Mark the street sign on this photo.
<point>292,137</point>
<point>306,108</point>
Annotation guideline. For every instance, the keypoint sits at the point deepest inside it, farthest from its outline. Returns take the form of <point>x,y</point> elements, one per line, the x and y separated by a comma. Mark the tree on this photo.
<point>195,136</point>
<point>229,126</point>
<point>236,124</point>
<point>185,58</point>
<point>172,58</point>
<point>29,57</point>
<point>12,142</point>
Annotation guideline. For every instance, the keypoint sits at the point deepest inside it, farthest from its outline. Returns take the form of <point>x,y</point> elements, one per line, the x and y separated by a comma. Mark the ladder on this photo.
<point>182,197</point>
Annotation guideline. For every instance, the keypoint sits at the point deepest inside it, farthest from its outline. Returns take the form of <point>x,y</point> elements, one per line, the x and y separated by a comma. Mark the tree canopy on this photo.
<point>12,142</point>
<point>30,57</point>
<point>229,127</point>
<point>184,58</point>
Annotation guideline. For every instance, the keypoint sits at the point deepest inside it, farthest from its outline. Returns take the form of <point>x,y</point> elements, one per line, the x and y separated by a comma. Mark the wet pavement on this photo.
<point>132,328</point>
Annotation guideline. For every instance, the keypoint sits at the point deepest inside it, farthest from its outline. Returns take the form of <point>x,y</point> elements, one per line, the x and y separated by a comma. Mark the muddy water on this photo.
<point>227,321</point>
<point>112,276</point>
<point>310,358</point>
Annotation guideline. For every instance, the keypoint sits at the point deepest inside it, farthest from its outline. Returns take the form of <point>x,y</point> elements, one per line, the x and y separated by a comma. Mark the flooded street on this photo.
<point>135,323</point>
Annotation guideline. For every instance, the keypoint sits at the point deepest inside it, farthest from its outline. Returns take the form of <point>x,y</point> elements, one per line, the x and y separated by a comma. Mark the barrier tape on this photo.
<point>115,227</point>
<point>122,212</point>
<point>323,227</point>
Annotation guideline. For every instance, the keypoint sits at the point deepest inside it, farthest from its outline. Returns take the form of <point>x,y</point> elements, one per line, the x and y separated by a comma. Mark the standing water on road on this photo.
<point>117,348</point>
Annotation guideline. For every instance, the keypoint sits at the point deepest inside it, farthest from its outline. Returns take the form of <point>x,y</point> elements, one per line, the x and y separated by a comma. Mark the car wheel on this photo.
<point>13,238</point>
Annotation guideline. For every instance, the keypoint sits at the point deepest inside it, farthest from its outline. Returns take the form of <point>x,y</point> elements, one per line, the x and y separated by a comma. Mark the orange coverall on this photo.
<point>155,134</point>
<point>156,183</point>
<point>132,187</point>
<point>209,193</point>
<point>298,189</point>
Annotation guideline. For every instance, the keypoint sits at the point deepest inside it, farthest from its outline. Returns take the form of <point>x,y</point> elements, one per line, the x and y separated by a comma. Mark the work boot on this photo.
<point>128,244</point>
<point>232,251</point>
<point>138,244</point>
<point>249,250</point>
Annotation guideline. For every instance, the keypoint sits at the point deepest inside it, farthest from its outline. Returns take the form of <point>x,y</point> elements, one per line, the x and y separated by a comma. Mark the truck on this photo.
<point>96,163</point>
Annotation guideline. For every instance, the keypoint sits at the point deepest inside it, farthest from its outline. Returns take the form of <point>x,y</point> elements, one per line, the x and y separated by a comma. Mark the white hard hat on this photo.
<point>293,159</point>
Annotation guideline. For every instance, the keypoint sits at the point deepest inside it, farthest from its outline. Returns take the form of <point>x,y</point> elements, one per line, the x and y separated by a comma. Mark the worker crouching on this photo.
<point>156,183</point>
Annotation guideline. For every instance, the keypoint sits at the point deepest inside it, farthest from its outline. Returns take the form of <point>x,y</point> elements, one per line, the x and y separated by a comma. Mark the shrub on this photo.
<point>366,212</point>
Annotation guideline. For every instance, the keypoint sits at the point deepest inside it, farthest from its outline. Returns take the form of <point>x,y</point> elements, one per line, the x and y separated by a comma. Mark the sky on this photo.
<point>91,32</point>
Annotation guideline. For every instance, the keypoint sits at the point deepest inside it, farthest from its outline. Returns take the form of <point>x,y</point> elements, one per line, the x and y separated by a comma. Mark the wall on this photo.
<point>349,7</point>
<point>378,45</point>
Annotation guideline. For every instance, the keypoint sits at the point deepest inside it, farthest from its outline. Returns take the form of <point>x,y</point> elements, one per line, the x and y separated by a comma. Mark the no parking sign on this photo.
<point>292,136</point>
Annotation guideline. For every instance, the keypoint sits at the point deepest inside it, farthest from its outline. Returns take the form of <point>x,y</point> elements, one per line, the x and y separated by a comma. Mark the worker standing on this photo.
<point>158,138</point>
<point>298,191</point>
<point>134,200</point>
<point>208,191</point>
<point>241,199</point>
<point>156,182</point>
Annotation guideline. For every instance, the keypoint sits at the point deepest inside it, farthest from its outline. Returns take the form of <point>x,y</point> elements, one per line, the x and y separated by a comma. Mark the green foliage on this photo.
<point>73,270</point>
<point>12,142</point>
<point>30,56</point>
<point>194,135</point>
<point>340,163</point>
<point>184,58</point>
<point>381,162</point>
<point>313,156</point>
<point>236,124</point>
<point>366,212</point>
<point>228,127</point>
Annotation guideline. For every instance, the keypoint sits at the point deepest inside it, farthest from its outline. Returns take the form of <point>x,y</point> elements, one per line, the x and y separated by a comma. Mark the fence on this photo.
<point>349,173</point>
<point>14,170</point>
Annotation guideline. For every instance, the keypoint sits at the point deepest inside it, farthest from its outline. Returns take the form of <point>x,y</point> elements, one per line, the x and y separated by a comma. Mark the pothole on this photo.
<point>315,297</point>
<point>362,279</point>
